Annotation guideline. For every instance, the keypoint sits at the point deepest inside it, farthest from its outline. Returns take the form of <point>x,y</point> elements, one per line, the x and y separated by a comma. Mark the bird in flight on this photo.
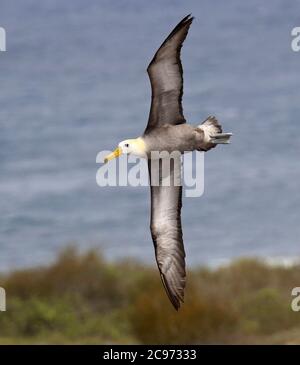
<point>167,131</point>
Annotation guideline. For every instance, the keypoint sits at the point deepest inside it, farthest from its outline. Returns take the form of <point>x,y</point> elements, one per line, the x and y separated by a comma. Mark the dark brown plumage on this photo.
<point>166,77</point>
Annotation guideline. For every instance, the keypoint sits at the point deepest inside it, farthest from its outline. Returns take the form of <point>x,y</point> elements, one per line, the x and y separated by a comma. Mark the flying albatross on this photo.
<point>168,131</point>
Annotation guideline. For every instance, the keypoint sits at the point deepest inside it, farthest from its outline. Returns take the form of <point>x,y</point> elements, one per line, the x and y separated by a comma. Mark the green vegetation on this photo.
<point>85,299</point>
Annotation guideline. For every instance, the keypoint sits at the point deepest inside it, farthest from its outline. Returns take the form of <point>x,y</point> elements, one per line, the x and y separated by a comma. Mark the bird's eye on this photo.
<point>126,145</point>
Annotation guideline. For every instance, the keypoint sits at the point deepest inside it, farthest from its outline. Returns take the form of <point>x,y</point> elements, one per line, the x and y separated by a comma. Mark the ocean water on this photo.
<point>73,83</point>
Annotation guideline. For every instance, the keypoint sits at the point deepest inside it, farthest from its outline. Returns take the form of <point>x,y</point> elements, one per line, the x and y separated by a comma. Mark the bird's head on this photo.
<point>134,146</point>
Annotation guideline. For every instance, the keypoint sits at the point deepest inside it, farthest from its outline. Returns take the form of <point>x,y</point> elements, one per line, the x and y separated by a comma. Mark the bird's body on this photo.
<point>181,137</point>
<point>167,131</point>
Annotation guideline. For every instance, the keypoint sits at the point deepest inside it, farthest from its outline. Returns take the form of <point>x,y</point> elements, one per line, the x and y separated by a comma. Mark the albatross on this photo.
<point>167,131</point>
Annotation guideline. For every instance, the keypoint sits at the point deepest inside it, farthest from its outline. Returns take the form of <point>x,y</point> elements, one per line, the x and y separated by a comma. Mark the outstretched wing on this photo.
<point>166,226</point>
<point>165,73</point>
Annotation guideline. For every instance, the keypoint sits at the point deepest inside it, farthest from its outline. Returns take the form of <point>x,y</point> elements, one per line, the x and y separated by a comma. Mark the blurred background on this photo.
<point>73,83</point>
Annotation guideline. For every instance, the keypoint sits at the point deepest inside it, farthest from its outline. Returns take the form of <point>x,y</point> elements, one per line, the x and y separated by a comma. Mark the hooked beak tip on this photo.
<point>116,153</point>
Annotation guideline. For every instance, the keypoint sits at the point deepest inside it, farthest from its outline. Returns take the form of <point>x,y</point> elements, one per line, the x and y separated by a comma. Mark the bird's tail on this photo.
<point>213,132</point>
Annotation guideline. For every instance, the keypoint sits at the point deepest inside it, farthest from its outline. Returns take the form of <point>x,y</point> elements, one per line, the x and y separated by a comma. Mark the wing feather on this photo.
<point>166,77</point>
<point>166,203</point>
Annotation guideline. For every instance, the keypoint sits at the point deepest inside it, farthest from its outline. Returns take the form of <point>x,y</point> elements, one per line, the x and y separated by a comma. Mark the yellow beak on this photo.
<point>117,152</point>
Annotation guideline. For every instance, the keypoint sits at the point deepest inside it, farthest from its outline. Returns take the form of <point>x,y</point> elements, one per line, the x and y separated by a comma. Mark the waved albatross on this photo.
<point>167,130</point>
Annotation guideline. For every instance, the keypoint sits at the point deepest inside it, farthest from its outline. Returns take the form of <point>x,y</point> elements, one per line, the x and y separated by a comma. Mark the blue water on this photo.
<point>73,82</point>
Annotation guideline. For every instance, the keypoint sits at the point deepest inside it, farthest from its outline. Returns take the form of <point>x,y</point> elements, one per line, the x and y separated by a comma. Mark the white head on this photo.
<point>134,146</point>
